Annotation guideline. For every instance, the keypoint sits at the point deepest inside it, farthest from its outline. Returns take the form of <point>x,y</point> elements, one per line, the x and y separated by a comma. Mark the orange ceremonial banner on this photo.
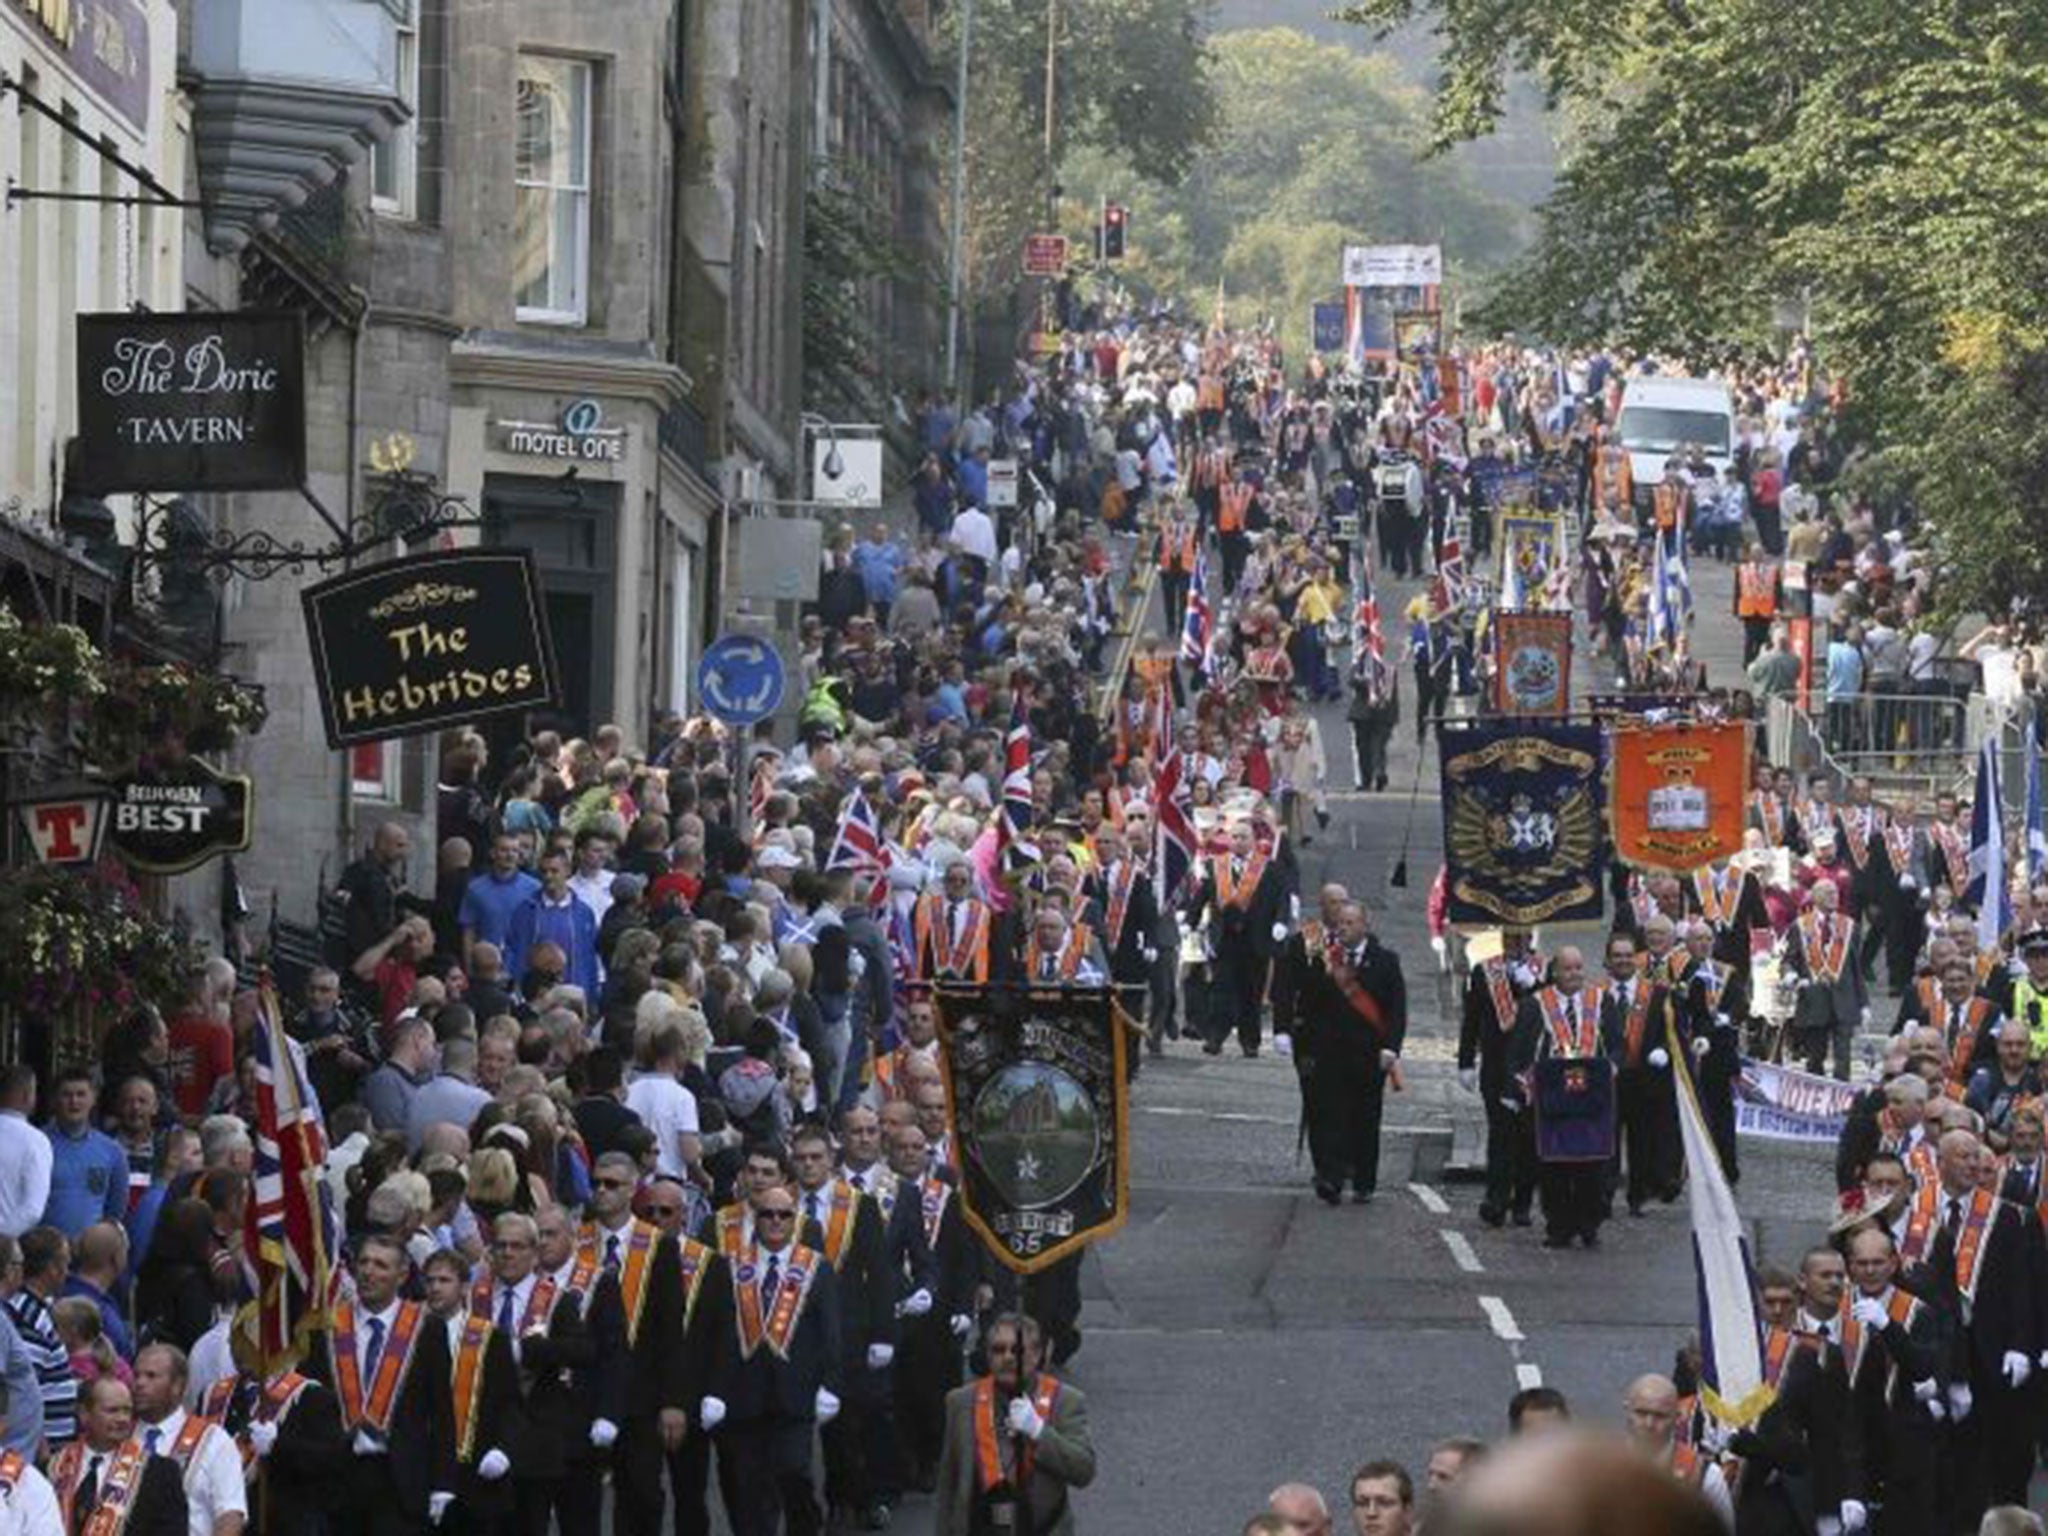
<point>1677,793</point>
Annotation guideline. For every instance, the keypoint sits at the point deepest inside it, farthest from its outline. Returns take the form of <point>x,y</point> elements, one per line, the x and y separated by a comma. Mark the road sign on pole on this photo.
<point>1045,255</point>
<point>741,679</point>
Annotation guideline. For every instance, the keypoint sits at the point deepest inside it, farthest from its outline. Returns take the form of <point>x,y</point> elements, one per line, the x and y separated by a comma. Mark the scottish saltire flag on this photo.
<point>859,846</point>
<point>1013,819</point>
<point>1989,889</point>
<point>1173,821</point>
<point>1670,596</point>
<point>290,1236</point>
<point>2037,830</point>
<point>1732,1385</point>
<point>1199,625</point>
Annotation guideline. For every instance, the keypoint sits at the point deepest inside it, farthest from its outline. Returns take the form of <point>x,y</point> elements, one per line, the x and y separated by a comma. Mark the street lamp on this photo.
<point>834,465</point>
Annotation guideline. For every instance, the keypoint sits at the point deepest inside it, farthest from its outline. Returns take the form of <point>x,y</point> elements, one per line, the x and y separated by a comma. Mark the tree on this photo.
<point>1887,162</point>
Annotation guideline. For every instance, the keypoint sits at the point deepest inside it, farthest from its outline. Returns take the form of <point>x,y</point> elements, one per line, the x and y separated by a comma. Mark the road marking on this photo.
<point>1528,1376</point>
<point>1503,1321</point>
<point>1189,1112</point>
<point>1432,1202</point>
<point>1461,1250</point>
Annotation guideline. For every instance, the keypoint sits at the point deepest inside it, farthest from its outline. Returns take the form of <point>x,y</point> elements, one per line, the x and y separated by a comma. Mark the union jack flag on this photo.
<point>1173,820</point>
<point>1368,641</point>
<point>290,1236</point>
<point>1447,593</point>
<point>760,785</point>
<point>860,846</point>
<point>1198,629</point>
<point>1014,819</point>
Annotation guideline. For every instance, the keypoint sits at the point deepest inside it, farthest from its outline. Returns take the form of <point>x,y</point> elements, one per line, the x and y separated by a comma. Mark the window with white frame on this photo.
<point>394,163</point>
<point>373,771</point>
<point>551,227</point>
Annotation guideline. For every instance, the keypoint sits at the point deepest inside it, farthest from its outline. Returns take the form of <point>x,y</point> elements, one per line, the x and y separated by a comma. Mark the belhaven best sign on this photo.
<point>428,641</point>
<point>172,817</point>
<point>191,402</point>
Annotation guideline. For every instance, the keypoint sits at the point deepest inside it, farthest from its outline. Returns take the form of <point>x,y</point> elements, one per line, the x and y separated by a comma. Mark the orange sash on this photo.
<point>799,1269</point>
<point>1501,990</point>
<point>840,1222</point>
<point>1580,1043</point>
<point>122,1476</point>
<point>540,1305</point>
<point>1901,1308</point>
<point>1718,892</point>
<point>374,1411</point>
<point>1961,1036</point>
<point>988,1456</point>
<point>1237,890</point>
<point>732,1230</point>
<point>1072,952</point>
<point>1825,964</point>
<point>468,1388</point>
<point>1817,818</point>
<point>1362,1002</point>
<point>1920,1219</point>
<point>696,1263</point>
<point>966,957</point>
<point>1686,1465</point>
<point>1637,1025</point>
<point>1856,824</point>
<point>1770,817</point>
<point>932,1197</point>
<point>1955,854</point>
<point>1970,1245</point>
<point>1119,903</point>
<point>276,1400</point>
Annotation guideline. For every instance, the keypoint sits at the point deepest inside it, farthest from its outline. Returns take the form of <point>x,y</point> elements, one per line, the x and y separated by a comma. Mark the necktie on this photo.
<point>151,1438</point>
<point>373,1354</point>
<point>88,1492</point>
<point>1045,964</point>
<point>811,1206</point>
<point>1571,1014</point>
<point>771,1282</point>
<point>857,1180</point>
<point>507,1324</point>
<point>611,1252</point>
<point>1955,1214</point>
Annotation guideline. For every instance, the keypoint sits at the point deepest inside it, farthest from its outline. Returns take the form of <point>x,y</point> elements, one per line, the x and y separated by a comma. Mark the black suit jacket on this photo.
<point>867,1291</point>
<point>1127,963</point>
<point>1614,1018</point>
<point>2002,1316</point>
<point>500,1426</point>
<point>906,1255</point>
<point>159,1508</point>
<point>1896,1429</point>
<point>1326,1027</point>
<point>769,1390</point>
<point>648,1366</point>
<point>1805,1454</point>
<point>1235,928</point>
<point>310,1454</point>
<point>421,1439</point>
<point>554,1412</point>
<point>1485,1039</point>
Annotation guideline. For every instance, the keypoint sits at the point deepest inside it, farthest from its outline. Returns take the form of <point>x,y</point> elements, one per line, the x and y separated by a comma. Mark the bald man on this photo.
<point>1301,1508</point>
<point>1652,1411</point>
<point>1566,1482</point>
<point>1565,1022</point>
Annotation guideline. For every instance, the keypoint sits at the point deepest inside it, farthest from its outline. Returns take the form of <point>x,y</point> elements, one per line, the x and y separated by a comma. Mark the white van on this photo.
<point>1661,417</point>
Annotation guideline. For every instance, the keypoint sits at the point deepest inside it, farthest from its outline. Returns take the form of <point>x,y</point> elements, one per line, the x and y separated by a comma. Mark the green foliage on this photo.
<point>1316,147</point>
<point>1887,162</point>
<point>88,951</point>
<point>850,254</point>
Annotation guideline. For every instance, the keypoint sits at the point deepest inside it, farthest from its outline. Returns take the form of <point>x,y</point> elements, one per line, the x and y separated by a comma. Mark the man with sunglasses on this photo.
<point>765,1167</point>
<point>654,1378</point>
<point>1016,1443</point>
<point>779,1376</point>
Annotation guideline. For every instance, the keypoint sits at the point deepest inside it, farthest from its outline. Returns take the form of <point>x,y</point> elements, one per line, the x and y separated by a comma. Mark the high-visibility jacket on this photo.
<point>1177,548</point>
<point>1756,590</point>
<point>1236,505</point>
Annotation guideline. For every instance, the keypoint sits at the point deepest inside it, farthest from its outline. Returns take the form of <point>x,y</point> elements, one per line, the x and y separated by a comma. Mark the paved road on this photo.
<point>1239,1333</point>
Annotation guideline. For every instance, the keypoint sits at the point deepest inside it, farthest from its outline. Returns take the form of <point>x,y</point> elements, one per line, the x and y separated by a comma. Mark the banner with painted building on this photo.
<point>1680,792</point>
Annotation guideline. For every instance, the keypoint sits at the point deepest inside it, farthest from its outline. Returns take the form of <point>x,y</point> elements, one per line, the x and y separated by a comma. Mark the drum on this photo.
<point>1574,1109</point>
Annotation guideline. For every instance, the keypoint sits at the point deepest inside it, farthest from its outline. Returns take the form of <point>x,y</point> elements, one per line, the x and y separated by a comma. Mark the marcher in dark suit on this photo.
<point>1346,1006</point>
<point>927,1363</point>
<point>1016,1443</point>
<point>290,1428</point>
<point>1982,1271</point>
<point>1488,1043</point>
<point>106,1451</point>
<point>1565,1022</point>
<point>483,1394</point>
<point>779,1377</point>
<point>1713,1002</point>
<point>1130,920</point>
<point>580,1282</point>
<point>1243,896</point>
<point>1636,1009</point>
<point>1895,1351</point>
<point>644,1265</point>
<point>388,1365</point>
<point>1802,1457</point>
<point>1833,1000</point>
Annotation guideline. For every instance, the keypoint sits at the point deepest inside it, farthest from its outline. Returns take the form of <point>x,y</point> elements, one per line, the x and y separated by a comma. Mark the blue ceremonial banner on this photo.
<point>1327,322</point>
<point>1524,813</point>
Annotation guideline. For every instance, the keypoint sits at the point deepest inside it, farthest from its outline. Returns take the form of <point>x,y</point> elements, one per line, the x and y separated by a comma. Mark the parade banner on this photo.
<point>1419,333</point>
<point>1679,793</point>
<point>1653,708</point>
<point>1393,266</point>
<point>1532,554</point>
<point>427,641</point>
<point>1523,814</point>
<point>1774,1103</point>
<point>1532,672</point>
<point>1037,1111</point>
<point>1326,326</point>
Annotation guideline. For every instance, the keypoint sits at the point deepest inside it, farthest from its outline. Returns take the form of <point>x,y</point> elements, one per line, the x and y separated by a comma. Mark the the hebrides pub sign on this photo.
<point>429,641</point>
<point>191,402</point>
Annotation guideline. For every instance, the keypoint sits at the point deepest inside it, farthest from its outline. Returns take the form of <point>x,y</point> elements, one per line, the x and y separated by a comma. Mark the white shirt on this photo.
<point>594,891</point>
<point>213,1480</point>
<point>669,1110</point>
<point>212,1360</point>
<point>31,1510</point>
<point>24,1173</point>
<point>975,534</point>
<point>1714,1489</point>
<point>522,1294</point>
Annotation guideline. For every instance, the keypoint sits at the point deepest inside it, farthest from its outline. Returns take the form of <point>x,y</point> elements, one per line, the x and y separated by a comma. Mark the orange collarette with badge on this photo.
<point>1120,888</point>
<point>1235,888</point>
<point>1825,961</point>
<point>636,1260</point>
<point>1501,990</point>
<point>799,1269</point>
<point>1568,1041</point>
<point>1902,1309</point>
<point>540,1305</point>
<point>372,1411</point>
<point>696,1260</point>
<point>1073,950</point>
<point>933,1193</point>
<point>1770,816</point>
<point>468,1383</point>
<point>965,956</point>
<point>840,1222</point>
<point>988,1455</point>
<point>122,1475</point>
<point>272,1405</point>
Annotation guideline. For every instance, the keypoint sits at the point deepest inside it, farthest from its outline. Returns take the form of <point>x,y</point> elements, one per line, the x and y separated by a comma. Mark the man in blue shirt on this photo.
<point>99,1259</point>
<point>88,1169</point>
<point>553,915</point>
<point>493,896</point>
<point>879,560</point>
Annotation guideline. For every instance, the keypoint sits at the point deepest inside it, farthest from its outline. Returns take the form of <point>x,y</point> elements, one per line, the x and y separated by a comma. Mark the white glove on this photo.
<point>603,1432</point>
<point>1853,1515</point>
<point>1151,955</point>
<point>2043,1361</point>
<point>437,1506</point>
<point>1468,1079</point>
<point>1443,951</point>
<point>1959,1400</point>
<point>1714,1440</point>
<point>368,1443</point>
<point>495,1464</point>
<point>1387,1060</point>
<point>1927,1391</point>
<point>1024,1419</point>
<point>1279,933</point>
<point>1724,1021</point>
<point>710,1414</point>
<point>826,1405</point>
<point>1660,1058</point>
<point>1870,1312</point>
<point>1937,1410</point>
<point>879,1356</point>
<point>262,1436</point>
<point>2017,1368</point>
<point>1866,1015</point>
<point>1908,883</point>
<point>1522,973</point>
<point>962,1325</point>
<point>1700,1045</point>
<point>1283,1045</point>
<point>916,1304</point>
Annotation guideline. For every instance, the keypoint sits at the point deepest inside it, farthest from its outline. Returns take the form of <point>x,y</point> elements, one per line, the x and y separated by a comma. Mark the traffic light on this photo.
<point>1115,221</point>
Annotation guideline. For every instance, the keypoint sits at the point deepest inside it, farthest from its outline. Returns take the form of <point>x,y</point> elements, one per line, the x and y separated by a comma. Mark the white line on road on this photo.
<point>1461,1251</point>
<point>1432,1202</point>
<point>1527,1375</point>
<point>1503,1321</point>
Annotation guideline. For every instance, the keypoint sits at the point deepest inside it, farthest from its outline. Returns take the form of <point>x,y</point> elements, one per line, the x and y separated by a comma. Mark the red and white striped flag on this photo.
<point>859,846</point>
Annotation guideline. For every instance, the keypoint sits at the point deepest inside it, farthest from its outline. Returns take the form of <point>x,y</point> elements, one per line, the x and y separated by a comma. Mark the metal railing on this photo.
<point>1906,744</point>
